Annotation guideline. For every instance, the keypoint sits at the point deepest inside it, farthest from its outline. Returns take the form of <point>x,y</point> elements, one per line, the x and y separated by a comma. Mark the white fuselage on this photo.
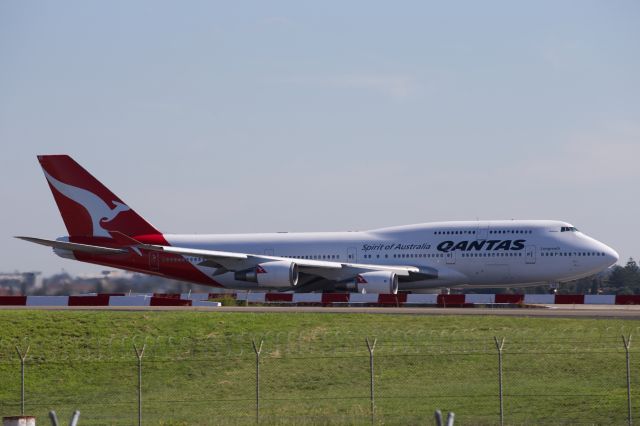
<point>460,254</point>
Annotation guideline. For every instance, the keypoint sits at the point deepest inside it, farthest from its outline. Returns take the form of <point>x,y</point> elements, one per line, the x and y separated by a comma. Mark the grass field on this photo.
<point>199,367</point>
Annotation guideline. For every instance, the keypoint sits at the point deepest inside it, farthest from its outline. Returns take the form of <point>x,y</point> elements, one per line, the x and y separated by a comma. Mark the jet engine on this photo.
<point>277,274</point>
<point>377,282</point>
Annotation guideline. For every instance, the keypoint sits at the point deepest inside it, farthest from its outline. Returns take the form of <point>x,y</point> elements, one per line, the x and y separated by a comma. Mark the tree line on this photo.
<point>615,280</point>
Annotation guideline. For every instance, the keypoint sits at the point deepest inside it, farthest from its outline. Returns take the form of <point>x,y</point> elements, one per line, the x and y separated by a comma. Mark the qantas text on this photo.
<point>447,246</point>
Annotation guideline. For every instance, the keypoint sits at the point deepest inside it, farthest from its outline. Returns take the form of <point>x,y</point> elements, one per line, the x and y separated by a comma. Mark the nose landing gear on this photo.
<point>553,288</point>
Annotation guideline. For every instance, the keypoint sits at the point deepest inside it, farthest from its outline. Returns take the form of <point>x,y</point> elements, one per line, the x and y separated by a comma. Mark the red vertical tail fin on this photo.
<point>89,208</point>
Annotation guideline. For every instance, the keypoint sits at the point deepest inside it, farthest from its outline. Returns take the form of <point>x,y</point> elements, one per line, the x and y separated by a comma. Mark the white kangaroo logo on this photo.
<point>97,208</point>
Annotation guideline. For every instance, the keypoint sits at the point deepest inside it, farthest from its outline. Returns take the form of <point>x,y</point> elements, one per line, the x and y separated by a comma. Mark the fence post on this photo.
<point>139,355</point>
<point>450,418</point>
<point>73,422</point>
<point>23,357</point>
<point>75,418</point>
<point>438,416</point>
<point>257,350</point>
<point>54,418</point>
<point>499,346</point>
<point>627,345</point>
<point>371,348</point>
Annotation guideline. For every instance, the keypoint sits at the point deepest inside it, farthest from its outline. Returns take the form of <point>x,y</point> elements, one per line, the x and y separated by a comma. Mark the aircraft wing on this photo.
<point>233,261</point>
<point>331,270</point>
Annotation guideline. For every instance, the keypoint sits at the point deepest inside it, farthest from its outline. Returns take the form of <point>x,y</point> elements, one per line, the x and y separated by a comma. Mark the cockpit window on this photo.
<point>568,229</point>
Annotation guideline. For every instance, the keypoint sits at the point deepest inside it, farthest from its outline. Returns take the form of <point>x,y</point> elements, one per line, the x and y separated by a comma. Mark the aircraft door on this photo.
<point>482,232</point>
<point>530,254</point>
<point>352,255</point>
<point>450,257</point>
<point>154,261</point>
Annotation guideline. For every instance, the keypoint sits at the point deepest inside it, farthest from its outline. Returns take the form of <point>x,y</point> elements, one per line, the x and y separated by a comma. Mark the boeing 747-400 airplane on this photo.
<point>502,253</point>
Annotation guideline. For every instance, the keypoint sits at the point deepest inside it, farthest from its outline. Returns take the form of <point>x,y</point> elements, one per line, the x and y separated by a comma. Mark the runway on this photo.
<point>548,311</point>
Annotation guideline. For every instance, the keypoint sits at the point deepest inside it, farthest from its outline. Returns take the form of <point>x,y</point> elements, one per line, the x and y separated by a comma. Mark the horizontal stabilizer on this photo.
<point>85,248</point>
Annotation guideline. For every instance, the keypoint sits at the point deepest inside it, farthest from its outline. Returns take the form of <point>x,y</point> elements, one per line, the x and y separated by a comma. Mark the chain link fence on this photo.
<point>279,378</point>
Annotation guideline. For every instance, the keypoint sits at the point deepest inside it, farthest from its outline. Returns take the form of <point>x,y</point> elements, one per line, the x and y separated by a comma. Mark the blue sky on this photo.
<point>268,116</point>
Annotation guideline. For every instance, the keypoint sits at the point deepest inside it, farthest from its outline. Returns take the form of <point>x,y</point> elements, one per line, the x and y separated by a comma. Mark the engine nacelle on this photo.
<point>377,282</point>
<point>277,274</point>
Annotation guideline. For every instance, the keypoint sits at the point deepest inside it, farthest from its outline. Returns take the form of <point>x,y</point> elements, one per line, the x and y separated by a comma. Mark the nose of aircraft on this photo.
<point>610,255</point>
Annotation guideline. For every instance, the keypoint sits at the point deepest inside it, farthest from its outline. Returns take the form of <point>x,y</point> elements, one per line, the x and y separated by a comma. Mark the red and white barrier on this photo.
<point>430,299</point>
<point>400,299</point>
<point>107,300</point>
<point>129,301</point>
<point>608,299</point>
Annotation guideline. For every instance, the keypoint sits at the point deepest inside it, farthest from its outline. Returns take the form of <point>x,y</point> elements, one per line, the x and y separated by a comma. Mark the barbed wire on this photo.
<point>284,345</point>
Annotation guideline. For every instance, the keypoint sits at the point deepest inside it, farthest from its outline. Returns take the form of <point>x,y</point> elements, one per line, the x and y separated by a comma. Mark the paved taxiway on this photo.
<point>553,311</point>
